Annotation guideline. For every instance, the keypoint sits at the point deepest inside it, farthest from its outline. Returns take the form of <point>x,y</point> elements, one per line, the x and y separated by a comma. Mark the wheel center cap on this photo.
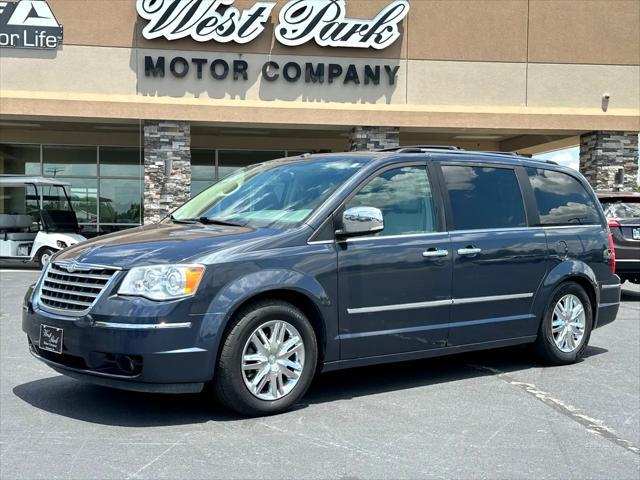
<point>272,359</point>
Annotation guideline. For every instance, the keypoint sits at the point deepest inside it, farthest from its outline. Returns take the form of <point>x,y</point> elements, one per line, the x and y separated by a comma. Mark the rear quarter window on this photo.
<point>562,199</point>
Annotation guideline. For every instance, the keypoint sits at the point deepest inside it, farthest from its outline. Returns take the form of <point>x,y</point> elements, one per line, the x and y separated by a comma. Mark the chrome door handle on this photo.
<point>469,251</point>
<point>435,253</point>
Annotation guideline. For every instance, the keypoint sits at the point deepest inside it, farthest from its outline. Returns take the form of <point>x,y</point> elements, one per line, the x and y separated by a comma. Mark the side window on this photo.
<point>561,199</point>
<point>404,197</point>
<point>483,197</point>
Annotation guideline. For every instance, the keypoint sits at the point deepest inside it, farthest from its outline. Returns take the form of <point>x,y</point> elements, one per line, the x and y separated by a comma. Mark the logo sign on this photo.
<point>300,22</point>
<point>326,23</point>
<point>202,20</point>
<point>29,24</point>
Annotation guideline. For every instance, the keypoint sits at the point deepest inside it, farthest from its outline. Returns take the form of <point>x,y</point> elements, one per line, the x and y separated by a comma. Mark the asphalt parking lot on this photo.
<point>484,415</point>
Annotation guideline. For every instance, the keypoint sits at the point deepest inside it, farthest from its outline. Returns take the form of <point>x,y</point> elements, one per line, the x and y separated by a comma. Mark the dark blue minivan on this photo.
<point>321,262</point>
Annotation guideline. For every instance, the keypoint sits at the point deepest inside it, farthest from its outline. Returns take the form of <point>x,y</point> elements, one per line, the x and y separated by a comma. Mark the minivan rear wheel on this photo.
<point>267,360</point>
<point>566,326</point>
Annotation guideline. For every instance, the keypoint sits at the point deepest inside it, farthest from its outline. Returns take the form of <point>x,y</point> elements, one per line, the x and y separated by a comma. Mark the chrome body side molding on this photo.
<point>141,326</point>
<point>437,303</point>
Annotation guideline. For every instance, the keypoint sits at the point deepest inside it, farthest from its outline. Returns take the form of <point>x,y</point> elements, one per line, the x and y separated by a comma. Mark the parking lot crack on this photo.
<point>592,425</point>
<point>167,450</point>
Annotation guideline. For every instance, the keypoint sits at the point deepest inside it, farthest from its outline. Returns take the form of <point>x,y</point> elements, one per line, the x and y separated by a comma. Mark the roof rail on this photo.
<point>509,154</point>
<point>419,148</point>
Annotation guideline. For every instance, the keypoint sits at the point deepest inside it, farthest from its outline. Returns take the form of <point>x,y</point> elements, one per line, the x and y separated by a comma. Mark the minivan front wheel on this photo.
<point>267,361</point>
<point>566,326</point>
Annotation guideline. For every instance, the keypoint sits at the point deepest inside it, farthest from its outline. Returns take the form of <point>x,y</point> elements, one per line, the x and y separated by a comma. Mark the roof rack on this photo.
<point>419,148</point>
<point>509,154</point>
<point>453,149</point>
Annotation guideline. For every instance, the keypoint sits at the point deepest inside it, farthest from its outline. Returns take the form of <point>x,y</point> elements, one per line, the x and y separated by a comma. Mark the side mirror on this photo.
<point>358,221</point>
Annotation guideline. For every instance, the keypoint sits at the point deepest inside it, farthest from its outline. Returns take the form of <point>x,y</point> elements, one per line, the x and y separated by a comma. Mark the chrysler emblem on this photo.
<point>70,266</point>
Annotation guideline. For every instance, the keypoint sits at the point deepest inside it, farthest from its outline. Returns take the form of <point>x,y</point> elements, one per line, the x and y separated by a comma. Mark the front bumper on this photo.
<point>166,350</point>
<point>113,381</point>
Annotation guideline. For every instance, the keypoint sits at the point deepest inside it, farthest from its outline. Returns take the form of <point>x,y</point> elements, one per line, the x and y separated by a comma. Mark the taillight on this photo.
<point>613,222</point>
<point>612,254</point>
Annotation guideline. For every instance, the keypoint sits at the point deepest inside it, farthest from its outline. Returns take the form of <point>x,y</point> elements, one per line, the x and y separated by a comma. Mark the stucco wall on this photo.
<point>530,63</point>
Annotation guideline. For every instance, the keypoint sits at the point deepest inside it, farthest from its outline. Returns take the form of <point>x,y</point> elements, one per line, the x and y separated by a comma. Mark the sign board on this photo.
<point>324,22</point>
<point>29,24</point>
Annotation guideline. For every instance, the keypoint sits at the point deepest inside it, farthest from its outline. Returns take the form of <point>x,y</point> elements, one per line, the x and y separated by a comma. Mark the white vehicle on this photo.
<point>36,219</point>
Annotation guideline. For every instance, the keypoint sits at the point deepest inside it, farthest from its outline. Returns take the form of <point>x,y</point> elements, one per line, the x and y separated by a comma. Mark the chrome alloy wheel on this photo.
<point>273,360</point>
<point>568,323</point>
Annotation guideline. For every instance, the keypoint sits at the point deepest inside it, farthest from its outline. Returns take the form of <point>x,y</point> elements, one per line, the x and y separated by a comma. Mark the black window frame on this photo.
<point>518,173</point>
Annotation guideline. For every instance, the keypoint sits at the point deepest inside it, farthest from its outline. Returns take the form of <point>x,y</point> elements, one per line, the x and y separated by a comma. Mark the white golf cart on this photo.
<point>36,219</point>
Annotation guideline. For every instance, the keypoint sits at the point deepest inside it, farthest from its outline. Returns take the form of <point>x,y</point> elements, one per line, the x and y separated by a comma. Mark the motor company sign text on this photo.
<point>324,22</point>
<point>271,71</point>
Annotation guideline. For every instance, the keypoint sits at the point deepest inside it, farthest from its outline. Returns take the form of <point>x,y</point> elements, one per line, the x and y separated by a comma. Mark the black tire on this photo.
<point>43,254</point>
<point>228,383</point>
<point>545,345</point>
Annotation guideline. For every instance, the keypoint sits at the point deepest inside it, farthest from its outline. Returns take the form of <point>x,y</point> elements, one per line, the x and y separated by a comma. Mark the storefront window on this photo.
<point>16,159</point>
<point>120,162</point>
<point>63,161</point>
<point>107,181</point>
<point>203,170</point>
<point>120,200</point>
<point>83,194</point>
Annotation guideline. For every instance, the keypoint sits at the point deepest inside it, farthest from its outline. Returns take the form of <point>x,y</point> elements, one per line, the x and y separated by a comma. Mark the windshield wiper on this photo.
<point>205,221</point>
<point>215,221</point>
<point>189,221</point>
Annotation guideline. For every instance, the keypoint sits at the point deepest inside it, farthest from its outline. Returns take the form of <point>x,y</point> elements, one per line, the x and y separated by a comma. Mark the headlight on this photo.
<point>162,282</point>
<point>61,244</point>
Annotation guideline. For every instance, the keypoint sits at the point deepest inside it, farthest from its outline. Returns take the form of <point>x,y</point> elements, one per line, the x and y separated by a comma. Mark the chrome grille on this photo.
<point>73,287</point>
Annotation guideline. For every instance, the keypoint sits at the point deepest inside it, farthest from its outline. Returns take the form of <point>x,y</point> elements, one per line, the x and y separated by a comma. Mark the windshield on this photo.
<point>276,194</point>
<point>622,209</point>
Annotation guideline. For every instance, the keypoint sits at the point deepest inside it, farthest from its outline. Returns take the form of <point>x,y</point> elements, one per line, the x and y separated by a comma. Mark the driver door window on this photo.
<point>405,199</point>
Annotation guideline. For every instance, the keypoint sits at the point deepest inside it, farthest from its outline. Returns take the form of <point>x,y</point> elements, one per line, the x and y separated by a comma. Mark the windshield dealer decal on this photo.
<point>300,21</point>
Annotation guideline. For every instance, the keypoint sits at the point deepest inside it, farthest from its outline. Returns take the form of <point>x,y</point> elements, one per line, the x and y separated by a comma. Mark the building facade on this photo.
<point>142,104</point>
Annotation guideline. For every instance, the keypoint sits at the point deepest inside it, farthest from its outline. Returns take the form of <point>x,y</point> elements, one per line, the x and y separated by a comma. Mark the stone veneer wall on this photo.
<point>374,138</point>
<point>167,167</point>
<point>602,154</point>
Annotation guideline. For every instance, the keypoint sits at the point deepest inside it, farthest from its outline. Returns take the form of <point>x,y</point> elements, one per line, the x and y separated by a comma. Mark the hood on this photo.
<point>166,243</point>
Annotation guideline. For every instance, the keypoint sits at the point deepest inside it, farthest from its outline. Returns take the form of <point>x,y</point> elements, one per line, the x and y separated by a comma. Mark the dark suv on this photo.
<point>623,213</point>
<point>323,262</point>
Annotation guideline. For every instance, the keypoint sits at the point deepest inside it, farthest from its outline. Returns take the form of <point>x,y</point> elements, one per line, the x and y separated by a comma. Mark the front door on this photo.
<point>394,286</point>
<point>498,261</point>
